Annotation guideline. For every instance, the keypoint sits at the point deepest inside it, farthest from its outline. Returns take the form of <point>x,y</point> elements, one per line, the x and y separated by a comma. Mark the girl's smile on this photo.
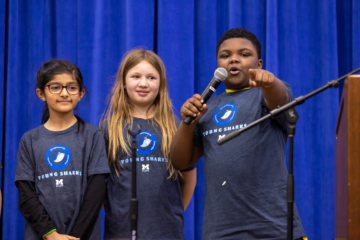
<point>142,84</point>
<point>63,102</point>
<point>142,93</point>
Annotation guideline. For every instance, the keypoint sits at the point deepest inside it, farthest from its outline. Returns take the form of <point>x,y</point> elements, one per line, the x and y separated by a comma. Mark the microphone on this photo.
<point>219,76</point>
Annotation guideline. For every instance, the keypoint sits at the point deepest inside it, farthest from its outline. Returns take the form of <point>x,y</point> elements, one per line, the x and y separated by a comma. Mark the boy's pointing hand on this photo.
<point>261,78</point>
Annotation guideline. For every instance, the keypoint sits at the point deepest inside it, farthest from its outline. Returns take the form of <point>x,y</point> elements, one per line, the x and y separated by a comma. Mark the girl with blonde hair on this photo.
<point>140,96</point>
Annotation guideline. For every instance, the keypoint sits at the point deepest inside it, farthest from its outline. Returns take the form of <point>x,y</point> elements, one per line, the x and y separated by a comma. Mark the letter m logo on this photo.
<point>59,183</point>
<point>145,167</point>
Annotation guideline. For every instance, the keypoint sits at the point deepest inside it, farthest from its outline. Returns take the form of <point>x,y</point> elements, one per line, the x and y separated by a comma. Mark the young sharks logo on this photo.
<point>147,143</point>
<point>225,114</point>
<point>58,157</point>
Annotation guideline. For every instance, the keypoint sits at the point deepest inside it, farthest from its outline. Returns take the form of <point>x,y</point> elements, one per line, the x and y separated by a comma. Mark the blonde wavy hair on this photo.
<point>118,112</point>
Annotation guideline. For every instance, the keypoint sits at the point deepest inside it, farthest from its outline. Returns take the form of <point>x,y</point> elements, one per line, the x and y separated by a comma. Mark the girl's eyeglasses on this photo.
<point>56,88</point>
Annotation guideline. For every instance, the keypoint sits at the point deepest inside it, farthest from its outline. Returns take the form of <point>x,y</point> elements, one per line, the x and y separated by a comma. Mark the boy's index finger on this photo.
<point>252,73</point>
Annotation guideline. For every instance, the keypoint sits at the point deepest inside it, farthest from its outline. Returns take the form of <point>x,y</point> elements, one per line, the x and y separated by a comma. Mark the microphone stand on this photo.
<point>291,117</point>
<point>133,201</point>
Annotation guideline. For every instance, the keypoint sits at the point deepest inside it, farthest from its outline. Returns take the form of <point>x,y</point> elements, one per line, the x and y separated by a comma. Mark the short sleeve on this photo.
<point>98,161</point>
<point>189,168</point>
<point>105,133</point>
<point>25,167</point>
<point>288,89</point>
<point>281,119</point>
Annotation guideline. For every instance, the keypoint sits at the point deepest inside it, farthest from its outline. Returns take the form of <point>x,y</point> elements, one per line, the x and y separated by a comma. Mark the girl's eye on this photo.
<point>151,77</point>
<point>224,56</point>
<point>73,87</point>
<point>54,87</point>
<point>135,76</point>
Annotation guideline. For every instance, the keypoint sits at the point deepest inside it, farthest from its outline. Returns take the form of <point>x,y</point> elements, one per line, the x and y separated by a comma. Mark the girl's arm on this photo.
<point>89,212</point>
<point>187,184</point>
<point>31,208</point>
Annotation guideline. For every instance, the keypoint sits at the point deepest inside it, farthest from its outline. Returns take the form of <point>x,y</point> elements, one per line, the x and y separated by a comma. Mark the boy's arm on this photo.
<point>187,184</point>
<point>272,88</point>
<point>183,153</point>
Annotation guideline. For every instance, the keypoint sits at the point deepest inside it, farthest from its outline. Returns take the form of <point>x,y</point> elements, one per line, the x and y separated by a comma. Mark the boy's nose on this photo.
<point>234,59</point>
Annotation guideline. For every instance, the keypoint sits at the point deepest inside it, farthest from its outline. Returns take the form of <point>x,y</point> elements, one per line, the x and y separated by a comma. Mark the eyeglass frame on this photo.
<point>62,88</point>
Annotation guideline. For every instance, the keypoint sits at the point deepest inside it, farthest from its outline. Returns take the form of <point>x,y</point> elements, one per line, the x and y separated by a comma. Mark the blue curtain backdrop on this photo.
<point>306,43</point>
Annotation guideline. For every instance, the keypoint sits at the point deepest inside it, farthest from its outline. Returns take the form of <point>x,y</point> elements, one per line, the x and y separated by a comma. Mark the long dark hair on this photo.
<point>48,71</point>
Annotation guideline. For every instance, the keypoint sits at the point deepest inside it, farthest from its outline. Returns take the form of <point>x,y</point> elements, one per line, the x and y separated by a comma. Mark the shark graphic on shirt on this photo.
<point>59,157</point>
<point>226,114</point>
<point>146,142</point>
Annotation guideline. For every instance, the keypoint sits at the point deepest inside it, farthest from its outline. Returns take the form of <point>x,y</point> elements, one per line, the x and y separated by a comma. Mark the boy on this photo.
<point>245,179</point>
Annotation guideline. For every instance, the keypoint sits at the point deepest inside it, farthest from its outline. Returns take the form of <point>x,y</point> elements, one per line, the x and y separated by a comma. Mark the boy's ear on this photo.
<point>40,94</point>
<point>260,63</point>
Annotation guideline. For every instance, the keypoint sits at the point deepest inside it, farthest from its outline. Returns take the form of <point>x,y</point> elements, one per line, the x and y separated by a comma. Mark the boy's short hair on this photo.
<point>240,33</point>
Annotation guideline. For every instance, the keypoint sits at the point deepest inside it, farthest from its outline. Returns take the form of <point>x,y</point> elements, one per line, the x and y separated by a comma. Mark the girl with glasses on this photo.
<point>61,165</point>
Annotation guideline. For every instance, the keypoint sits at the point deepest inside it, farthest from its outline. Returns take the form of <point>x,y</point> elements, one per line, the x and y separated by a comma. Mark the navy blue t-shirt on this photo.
<point>60,163</point>
<point>160,206</point>
<point>245,178</point>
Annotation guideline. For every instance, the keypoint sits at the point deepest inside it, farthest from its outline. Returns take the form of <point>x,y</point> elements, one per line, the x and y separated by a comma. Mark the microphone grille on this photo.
<point>220,74</point>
